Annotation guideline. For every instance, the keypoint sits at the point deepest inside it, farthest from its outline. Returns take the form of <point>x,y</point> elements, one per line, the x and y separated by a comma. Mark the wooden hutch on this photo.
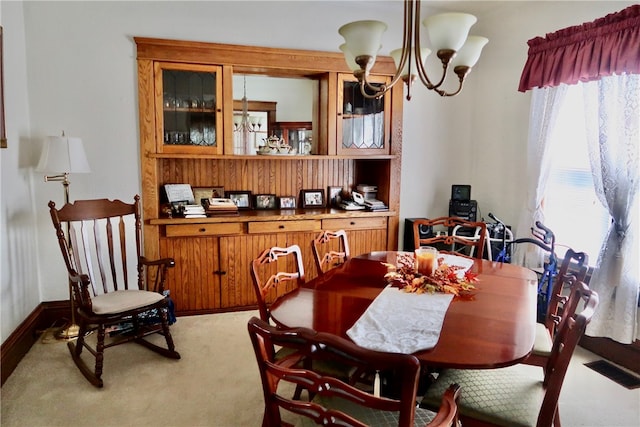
<point>182,83</point>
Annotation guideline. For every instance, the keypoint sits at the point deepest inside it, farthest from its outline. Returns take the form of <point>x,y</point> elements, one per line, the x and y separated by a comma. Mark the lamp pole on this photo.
<point>66,154</point>
<point>72,330</point>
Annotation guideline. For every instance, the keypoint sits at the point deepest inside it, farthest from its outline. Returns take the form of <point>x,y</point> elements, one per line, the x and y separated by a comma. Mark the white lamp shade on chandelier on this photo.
<point>63,154</point>
<point>469,53</point>
<point>449,39</point>
<point>363,37</point>
<point>448,30</point>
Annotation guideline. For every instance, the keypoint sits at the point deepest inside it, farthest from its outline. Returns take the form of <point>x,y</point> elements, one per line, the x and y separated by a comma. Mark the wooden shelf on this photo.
<point>267,157</point>
<point>274,215</point>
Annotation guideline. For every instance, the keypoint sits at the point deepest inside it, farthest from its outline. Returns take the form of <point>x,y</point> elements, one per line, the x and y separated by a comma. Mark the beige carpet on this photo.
<point>216,383</point>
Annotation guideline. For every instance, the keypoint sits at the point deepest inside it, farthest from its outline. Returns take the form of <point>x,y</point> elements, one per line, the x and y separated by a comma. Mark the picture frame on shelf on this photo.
<point>242,199</point>
<point>333,196</point>
<point>265,201</point>
<point>200,193</point>
<point>312,198</point>
<point>178,193</point>
<point>287,202</point>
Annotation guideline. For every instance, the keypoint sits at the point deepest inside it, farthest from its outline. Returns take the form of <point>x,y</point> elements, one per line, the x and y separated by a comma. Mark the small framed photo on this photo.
<point>265,201</point>
<point>287,202</point>
<point>242,199</point>
<point>333,196</point>
<point>312,198</point>
<point>200,193</point>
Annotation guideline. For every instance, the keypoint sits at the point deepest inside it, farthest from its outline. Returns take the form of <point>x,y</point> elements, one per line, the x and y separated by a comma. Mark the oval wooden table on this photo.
<point>491,327</point>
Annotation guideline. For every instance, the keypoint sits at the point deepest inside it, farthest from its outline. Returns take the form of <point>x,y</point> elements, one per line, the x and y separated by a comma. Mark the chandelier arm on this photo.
<point>378,90</point>
<point>445,56</point>
<point>421,72</point>
<point>406,56</point>
<point>445,93</point>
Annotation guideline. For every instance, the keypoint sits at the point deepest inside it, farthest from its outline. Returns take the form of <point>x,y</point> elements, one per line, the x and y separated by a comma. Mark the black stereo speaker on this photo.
<point>425,232</point>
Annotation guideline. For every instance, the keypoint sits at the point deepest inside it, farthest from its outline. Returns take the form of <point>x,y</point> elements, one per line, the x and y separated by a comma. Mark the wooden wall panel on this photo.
<point>260,176</point>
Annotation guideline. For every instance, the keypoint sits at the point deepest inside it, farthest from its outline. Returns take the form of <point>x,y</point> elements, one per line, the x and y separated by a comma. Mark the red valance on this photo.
<point>606,46</point>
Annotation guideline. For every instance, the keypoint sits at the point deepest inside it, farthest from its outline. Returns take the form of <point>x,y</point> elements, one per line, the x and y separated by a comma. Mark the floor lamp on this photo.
<point>61,156</point>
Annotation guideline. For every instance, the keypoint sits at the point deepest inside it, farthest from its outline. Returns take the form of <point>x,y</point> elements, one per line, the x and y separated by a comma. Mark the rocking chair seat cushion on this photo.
<point>121,301</point>
<point>543,343</point>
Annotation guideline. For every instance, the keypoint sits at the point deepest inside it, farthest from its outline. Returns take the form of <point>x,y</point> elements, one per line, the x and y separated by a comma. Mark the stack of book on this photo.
<point>375,205</point>
<point>194,211</point>
<point>368,191</point>
<point>220,206</point>
<point>369,194</point>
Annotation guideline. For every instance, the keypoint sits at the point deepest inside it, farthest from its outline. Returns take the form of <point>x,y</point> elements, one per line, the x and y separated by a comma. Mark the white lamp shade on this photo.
<point>348,57</point>
<point>448,30</point>
<point>396,54</point>
<point>469,53</point>
<point>363,37</point>
<point>63,154</point>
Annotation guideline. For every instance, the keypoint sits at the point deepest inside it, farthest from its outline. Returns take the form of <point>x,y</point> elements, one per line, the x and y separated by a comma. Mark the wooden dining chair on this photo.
<point>337,402</point>
<point>330,249</point>
<point>113,286</point>
<point>510,397</point>
<point>276,272</point>
<point>473,244</point>
<point>573,264</point>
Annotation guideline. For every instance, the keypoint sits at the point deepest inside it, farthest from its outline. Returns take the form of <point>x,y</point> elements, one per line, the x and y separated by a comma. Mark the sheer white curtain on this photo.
<point>545,105</point>
<point>612,111</point>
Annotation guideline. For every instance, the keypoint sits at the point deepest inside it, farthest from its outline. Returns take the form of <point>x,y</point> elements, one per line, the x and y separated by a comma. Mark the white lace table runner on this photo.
<point>401,322</point>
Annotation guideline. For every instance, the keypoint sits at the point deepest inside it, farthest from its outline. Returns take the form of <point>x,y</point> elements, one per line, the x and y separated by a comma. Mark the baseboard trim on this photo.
<point>15,347</point>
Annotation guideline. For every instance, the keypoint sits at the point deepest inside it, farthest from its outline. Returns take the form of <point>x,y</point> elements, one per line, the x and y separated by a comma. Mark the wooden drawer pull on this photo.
<point>281,227</point>
<point>202,230</point>
<point>352,223</point>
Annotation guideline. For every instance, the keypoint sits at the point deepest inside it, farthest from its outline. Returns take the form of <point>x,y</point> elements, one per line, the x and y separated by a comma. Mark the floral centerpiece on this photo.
<point>445,278</point>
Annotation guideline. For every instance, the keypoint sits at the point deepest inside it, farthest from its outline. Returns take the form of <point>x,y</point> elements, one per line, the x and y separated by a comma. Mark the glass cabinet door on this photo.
<point>363,124</point>
<point>189,99</point>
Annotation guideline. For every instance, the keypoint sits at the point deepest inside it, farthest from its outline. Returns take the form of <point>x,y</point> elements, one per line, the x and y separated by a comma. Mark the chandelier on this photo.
<point>448,33</point>
<point>245,125</point>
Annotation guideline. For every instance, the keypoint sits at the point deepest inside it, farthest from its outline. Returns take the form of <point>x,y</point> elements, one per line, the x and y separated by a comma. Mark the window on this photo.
<point>571,208</point>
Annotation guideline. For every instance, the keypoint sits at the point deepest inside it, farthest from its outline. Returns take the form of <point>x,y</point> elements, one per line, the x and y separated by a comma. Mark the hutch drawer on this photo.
<point>185,230</point>
<point>284,226</point>
<point>354,223</point>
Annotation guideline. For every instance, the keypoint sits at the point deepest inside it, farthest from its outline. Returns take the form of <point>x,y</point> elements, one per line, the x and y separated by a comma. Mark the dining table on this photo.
<point>490,326</point>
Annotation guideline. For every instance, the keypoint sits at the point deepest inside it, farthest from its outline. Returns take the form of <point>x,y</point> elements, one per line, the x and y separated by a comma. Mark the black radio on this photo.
<point>465,209</point>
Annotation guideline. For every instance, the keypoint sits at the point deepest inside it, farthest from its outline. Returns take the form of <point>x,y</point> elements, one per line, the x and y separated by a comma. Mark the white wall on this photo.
<point>79,75</point>
<point>20,286</point>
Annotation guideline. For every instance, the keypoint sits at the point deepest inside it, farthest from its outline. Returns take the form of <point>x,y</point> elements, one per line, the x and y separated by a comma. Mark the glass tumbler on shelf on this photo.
<point>426,260</point>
